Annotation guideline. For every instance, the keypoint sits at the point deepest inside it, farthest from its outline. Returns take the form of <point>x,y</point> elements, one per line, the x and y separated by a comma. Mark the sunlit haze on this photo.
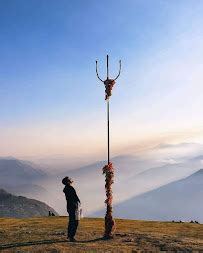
<point>51,103</point>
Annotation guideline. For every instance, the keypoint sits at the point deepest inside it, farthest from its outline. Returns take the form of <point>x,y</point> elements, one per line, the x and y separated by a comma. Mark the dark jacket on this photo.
<point>71,196</point>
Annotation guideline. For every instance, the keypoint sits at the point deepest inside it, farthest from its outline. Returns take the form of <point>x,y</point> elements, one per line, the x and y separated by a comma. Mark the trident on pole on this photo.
<point>108,169</point>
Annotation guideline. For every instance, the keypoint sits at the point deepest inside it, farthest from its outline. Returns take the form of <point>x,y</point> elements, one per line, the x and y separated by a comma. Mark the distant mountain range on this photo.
<point>89,180</point>
<point>21,207</point>
<point>180,200</point>
<point>28,190</point>
<point>26,179</point>
<point>134,175</point>
<point>14,171</point>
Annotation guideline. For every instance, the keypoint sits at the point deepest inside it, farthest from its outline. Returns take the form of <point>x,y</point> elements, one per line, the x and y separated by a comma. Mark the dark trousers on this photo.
<point>73,223</point>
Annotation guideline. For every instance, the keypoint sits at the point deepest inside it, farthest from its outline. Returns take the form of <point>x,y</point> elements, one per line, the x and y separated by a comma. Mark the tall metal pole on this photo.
<point>108,169</point>
<point>108,138</point>
<point>108,133</point>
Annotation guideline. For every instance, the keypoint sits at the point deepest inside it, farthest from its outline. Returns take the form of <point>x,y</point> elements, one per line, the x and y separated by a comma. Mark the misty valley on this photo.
<point>162,183</point>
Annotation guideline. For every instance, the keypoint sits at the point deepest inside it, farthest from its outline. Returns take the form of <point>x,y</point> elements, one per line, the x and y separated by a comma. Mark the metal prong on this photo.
<point>107,66</point>
<point>98,74</point>
<point>119,70</point>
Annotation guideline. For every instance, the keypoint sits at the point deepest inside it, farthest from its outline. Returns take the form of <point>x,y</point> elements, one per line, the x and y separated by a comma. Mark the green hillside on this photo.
<point>48,234</point>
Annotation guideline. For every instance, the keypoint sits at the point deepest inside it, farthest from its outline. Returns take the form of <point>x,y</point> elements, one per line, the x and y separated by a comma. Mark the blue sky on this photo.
<point>45,45</point>
<point>50,99</point>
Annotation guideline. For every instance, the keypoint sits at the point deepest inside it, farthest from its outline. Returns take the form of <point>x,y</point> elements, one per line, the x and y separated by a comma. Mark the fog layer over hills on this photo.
<point>180,200</point>
<point>134,174</point>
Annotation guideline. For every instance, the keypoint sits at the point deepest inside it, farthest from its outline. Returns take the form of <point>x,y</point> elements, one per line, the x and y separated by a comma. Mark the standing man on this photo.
<point>72,207</point>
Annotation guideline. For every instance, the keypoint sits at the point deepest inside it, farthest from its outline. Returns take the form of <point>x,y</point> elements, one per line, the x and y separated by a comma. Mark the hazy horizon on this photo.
<point>52,104</point>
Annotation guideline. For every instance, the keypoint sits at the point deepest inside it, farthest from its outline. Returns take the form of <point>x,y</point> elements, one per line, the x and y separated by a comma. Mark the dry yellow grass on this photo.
<point>48,234</point>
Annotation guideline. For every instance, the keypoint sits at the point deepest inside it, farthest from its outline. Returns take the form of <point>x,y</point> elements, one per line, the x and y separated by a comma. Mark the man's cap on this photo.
<point>66,180</point>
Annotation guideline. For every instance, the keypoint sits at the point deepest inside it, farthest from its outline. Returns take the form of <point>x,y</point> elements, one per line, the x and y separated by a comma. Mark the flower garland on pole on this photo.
<point>109,221</point>
<point>108,169</point>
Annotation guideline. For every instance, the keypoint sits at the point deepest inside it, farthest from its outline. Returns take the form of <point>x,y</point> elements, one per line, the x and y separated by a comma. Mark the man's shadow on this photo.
<point>42,242</point>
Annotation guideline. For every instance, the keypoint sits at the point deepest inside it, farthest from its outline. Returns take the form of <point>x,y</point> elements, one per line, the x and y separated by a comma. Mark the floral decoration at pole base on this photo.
<point>109,221</point>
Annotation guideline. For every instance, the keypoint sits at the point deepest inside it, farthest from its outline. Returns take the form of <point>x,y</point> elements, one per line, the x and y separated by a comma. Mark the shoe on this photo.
<point>72,239</point>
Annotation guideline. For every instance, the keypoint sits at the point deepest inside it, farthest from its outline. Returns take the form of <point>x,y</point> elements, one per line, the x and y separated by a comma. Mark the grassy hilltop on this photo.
<point>48,234</point>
